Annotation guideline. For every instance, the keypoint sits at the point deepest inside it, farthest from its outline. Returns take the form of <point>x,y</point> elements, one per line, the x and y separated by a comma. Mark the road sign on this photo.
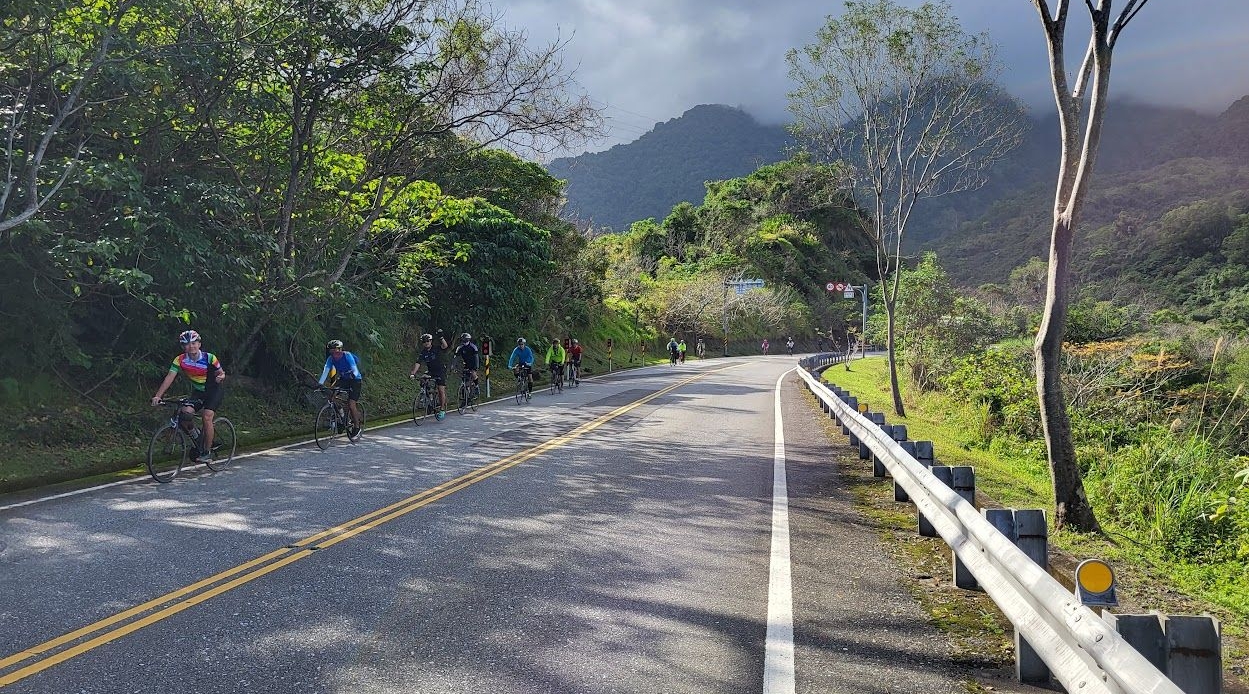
<point>838,286</point>
<point>831,286</point>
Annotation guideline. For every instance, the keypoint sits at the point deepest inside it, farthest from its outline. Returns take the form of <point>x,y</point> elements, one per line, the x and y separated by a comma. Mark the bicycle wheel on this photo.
<point>528,391</point>
<point>167,453</point>
<point>520,390</point>
<point>360,431</point>
<point>418,406</point>
<point>224,444</point>
<point>572,377</point>
<point>463,397</point>
<point>326,427</point>
<point>473,393</point>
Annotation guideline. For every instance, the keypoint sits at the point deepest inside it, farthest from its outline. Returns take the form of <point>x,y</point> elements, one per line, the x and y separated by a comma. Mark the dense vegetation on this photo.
<point>1159,414</point>
<point>667,165</point>
<point>271,177</point>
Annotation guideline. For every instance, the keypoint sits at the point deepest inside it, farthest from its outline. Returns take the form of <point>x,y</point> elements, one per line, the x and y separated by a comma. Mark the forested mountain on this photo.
<point>1161,225</point>
<point>649,176</point>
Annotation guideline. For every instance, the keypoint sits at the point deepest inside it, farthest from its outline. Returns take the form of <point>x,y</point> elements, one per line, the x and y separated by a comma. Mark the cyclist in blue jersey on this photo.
<point>522,355</point>
<point>347,370</point>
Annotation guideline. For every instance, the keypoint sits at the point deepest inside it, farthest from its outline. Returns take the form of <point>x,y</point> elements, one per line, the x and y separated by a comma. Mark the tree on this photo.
<point>52,58</point>
<point>1081,112</point>
<point>906,100</point>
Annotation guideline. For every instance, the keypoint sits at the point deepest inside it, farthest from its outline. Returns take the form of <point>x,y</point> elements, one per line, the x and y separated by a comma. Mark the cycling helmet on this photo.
<point>575,341</point>
<point>520,342</point>
<point>427,338</point>
<point>465,337</point>
<point>188,336</point>
<point>334,344</point>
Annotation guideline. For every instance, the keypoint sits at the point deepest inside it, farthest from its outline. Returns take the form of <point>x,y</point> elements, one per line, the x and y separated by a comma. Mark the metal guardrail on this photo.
<point>1083,653</point>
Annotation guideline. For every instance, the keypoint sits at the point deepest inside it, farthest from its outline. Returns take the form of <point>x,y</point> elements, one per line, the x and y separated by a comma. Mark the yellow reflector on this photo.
<point>1095,576</point>
<point>863,407</point>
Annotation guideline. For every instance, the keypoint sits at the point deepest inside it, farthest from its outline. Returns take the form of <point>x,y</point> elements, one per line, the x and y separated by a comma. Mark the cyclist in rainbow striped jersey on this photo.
<point>205,374</point>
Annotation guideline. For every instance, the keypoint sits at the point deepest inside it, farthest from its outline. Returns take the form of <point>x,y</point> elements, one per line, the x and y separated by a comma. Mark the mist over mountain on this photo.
<point>667,165</point>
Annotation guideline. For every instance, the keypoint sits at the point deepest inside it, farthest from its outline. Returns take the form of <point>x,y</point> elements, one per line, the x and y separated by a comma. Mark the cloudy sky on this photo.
<point>646,61</point>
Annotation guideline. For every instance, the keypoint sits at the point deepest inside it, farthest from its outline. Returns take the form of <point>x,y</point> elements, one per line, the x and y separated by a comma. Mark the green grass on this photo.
<point>1021,480</point>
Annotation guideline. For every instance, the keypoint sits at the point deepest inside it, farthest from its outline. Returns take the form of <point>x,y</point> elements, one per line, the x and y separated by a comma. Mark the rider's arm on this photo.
<point>164,386</point>
<point>355,366</point>
<point>511,359</point>
<point>416,367</point>
<point>325,373</point>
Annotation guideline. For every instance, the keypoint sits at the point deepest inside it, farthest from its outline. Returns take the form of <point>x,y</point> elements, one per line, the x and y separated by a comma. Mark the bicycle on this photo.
<point>557,381</point>
<point>672,358</point>
<point>174,440</point>
<point>574,375</point>
<point>522,385</point>
<point>426,401</point>
<point>334,419</point>
<point>469,391</point>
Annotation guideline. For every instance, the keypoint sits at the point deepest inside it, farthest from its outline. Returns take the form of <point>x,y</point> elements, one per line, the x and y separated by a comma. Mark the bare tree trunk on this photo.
<point>898,408</point>
<point>1071,504</point>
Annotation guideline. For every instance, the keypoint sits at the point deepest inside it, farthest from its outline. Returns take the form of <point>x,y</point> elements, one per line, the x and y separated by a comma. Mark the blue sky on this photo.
<point>646,61</point>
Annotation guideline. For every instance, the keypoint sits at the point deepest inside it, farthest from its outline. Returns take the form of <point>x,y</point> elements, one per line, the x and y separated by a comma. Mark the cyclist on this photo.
<point>764,345</point>
<point>555,356</point>
<point>681,349</point>
<point>431,356</point>
<point>204,371</point>
<point>574,360</point>
<point>346,369</point>
<point>701,348</point>
<point>789,345</point>
<point>673,349</point>
<point>521,358</point>
<point>470,356</point>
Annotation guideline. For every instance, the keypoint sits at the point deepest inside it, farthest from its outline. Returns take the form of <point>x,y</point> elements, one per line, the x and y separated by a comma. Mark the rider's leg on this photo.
<point>209,430</point>
<point>355,413</point>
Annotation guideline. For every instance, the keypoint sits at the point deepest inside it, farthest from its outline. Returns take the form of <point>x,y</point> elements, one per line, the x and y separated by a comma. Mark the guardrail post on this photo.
<point>1144,632</point>
<point>1027,529</point>
<point>899,494</point>
<point>924,453</point>
<point>946,477</point>
<point>1194,654</point>
<point>964,484</point>
<point>878,467</point>
<point>853,403</point>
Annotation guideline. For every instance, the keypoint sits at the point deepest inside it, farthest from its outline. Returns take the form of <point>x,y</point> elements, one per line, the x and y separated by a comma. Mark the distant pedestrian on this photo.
<point>764,345</point>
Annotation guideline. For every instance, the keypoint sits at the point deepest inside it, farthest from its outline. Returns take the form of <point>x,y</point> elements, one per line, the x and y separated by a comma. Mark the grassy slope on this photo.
<point>1147,581</point>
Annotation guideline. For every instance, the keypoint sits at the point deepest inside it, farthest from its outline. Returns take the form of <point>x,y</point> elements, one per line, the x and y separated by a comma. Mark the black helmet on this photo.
<point>427,338</point>
<point>465,337</point>
<point>520,342</point>
<point>334,344</point>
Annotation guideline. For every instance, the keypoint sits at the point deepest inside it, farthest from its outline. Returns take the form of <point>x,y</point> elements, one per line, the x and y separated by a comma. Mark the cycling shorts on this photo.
<point>352,386</point>
<point>209,398</point>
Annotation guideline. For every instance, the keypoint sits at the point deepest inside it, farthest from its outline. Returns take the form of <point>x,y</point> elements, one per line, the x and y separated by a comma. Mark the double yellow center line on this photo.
<point>157,609</point>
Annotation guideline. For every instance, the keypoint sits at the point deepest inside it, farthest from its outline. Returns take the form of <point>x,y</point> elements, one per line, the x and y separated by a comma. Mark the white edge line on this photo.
<point>267,451</point>
<point>778,659</point>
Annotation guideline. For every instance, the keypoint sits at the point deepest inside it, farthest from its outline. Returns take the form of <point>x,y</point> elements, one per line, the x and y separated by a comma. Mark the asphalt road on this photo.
<point>616,538</point>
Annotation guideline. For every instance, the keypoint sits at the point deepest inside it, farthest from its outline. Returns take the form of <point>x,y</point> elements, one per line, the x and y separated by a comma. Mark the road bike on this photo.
<point>672,357</point>
<point>174,441</point>
<point>426,401</point>
<point>469,391</point>
<point>557,380</point>
<point>574,375</point>
<point>334,419</point>
<point>523,386</point>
